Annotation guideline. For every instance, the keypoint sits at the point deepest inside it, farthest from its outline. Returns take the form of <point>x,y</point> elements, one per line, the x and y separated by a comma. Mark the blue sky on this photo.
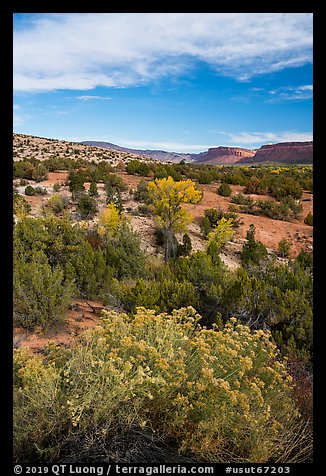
<point>181,82</point>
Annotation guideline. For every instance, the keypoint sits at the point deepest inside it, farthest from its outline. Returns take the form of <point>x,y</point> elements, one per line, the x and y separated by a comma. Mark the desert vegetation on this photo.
<point>212,357</point>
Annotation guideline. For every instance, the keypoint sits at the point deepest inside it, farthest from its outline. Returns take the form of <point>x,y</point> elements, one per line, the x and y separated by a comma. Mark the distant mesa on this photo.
<point>283,153</point>
<point>223,155</point>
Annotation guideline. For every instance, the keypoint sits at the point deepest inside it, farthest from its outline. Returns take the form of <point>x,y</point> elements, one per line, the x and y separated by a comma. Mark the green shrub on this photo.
<point>40,173</point>
<point>56,187</point>
<point>256,186</point>
<point>58,202</point>
<point>40,191</point>
<point>241,199</point>
<point>86,206</point>
<point>133,166</point>
<point>76,181</point>
<point>30,169</point>
<point>280,187</point>
<point>185,247</point>
<point>93,192</point>
<point>293,204</point>
<point>41,293</point>
<point>115,182</point>
<point>284,247</point>
<point>30,191</point>
<point>205,226</point>
<point>309,219</point>
<point>124,254</point>
<point>205,177</point>
<point>224,189</point>
<point>305,260</point>
<point>65,246</point>
<point>287,209</point>
<point>225,395</point>
<point>253,251</point>
<point>161,172</point>
<point>141,193</point>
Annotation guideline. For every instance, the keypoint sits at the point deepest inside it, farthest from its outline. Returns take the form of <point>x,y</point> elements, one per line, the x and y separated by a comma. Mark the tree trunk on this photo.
<point>170,245</point>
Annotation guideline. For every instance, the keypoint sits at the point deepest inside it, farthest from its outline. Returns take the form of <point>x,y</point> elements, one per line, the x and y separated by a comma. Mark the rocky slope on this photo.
<point>152,154</point>
<point>42,148</point>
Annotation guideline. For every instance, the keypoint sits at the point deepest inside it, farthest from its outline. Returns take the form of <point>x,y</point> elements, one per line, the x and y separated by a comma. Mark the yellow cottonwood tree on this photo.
<point>167,197</point>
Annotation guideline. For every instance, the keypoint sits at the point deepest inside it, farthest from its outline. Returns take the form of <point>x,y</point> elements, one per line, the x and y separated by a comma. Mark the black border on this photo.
<point>6,130</point>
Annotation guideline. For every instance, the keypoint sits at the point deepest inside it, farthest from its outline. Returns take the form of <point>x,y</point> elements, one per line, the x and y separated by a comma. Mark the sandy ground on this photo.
<point>77,320</point>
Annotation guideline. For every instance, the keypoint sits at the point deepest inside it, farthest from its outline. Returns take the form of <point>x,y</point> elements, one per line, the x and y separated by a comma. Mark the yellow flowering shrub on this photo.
<point>110,219</point>
<point>223,394</point>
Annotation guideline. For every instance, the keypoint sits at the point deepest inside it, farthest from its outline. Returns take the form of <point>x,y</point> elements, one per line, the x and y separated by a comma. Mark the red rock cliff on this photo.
<point>284,152</point>
<point>224,155</point>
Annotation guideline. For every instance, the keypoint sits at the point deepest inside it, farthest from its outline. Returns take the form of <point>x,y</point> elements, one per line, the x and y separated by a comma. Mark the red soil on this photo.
<point>76,321</point>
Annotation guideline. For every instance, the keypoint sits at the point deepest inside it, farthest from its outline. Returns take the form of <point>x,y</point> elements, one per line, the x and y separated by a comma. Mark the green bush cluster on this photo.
<point>96,264</point>
<point>287,209</point>
<point>70,260</point>
<point>31,191</point>
<point>280,187</point>
<point>30,169</point>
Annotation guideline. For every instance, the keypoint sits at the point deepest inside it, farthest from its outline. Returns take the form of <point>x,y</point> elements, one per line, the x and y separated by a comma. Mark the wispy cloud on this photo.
<point>124,49</point>
<point>292,93</point>
<point>260,138</point>
<point>19,117</point>
<point>93,97</point>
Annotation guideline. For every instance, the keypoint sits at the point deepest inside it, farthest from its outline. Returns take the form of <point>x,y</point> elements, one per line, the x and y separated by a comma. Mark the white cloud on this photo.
<point>260,138</point>
<point>84,50</point>
<point>92,97</point>
<point>292,93</point>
